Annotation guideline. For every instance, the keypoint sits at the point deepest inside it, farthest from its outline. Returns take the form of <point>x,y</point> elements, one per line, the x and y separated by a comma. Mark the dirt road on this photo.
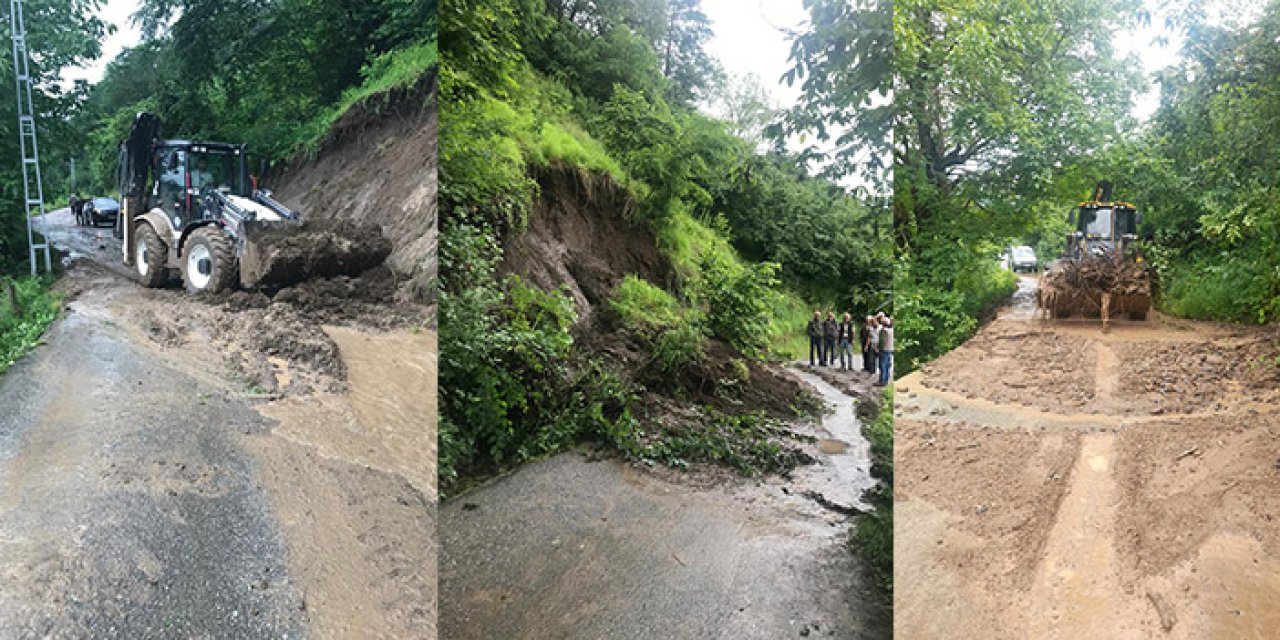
<point>232,467</point>
<point>1055,481</point>
<point>577,548</point>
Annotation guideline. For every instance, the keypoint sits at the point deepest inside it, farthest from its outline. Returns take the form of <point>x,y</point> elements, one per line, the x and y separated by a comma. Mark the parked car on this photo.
<point>99,210</point>
<point>1022,258</point>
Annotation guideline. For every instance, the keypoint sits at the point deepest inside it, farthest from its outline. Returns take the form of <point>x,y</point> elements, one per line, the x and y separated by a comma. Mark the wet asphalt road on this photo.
<point>126,509</point>
<point>568,548</point>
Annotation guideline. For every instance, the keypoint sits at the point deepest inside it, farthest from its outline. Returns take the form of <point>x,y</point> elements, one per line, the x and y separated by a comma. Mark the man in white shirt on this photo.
<point>200,176</point>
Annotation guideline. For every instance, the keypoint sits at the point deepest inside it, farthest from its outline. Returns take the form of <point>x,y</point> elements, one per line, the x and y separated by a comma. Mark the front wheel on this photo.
<point>149,255</point>
<point>208,265</point>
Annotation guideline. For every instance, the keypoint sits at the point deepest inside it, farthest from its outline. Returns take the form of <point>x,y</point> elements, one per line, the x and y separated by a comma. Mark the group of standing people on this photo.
<point>831,339</point>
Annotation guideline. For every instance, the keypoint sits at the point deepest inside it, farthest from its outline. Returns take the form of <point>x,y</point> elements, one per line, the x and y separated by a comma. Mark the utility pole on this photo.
<point>32,187</point>
<point>73,174</point>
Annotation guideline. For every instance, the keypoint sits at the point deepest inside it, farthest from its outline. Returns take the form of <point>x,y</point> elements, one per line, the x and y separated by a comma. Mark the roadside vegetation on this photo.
<point>27,306</point>
<point>604,98</point>
<point>872,536</point>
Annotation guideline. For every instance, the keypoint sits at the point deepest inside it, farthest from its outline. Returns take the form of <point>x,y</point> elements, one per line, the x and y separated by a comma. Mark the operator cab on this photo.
<point>186,172</point>
<point>1103,227</point>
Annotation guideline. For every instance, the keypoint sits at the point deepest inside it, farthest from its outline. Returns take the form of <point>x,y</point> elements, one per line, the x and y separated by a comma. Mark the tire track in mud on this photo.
<point>1077,588</point>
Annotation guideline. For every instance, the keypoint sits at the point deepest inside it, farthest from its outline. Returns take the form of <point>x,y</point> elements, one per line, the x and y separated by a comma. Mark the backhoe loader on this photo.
<point>193,208</point>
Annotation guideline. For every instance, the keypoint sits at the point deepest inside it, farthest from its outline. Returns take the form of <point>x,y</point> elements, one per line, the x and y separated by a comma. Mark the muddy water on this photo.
<point>1023,306</point>
<point>843,474</point>
<point>387,418</point>
<point>352,476</point>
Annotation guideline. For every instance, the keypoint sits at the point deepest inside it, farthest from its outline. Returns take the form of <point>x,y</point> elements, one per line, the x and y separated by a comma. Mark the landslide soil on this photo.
<point>378,166</point>
<point>1056,481</point>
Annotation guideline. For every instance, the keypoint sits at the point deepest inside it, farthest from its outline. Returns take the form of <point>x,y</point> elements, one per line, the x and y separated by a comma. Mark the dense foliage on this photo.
<point>604,95</point>
<point>273,74</point>
<point>976,152</point>
<point>1207,175</point>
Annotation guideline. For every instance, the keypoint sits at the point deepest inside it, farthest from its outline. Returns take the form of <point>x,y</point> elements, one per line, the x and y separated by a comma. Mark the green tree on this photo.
<point>60,34</point>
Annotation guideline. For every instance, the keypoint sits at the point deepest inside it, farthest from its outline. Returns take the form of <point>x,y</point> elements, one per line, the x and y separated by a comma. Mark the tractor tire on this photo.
<point>208,262</point>
<point>149,255</point>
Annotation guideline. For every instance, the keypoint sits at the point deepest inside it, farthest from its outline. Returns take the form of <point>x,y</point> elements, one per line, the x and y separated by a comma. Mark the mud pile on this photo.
<point>378,166</point>
<point>284,254</point>
<point>1097,286</point>
<point>1193,377</point>
<point>1101,274</point>
<point>1053,372</point>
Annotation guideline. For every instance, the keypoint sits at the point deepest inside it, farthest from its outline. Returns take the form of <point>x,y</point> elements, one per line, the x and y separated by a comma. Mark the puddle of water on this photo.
<point>832,447</point>
<point>848,452</point>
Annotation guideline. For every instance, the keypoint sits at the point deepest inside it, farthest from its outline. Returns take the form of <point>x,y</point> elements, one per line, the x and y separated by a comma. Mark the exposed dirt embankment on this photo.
<point>581,236</point>
<point>378,164</point>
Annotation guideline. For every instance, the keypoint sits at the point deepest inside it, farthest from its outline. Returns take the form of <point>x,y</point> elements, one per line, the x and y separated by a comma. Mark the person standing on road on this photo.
<point>77,208</point>
<point>815,337</point>
<point>830,331</point>
<point>886,351</point>
<point>867,337</point>
<point>845,340</point>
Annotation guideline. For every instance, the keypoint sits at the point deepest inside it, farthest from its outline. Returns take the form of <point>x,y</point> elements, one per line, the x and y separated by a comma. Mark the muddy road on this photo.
<point>578,547</point>
<point>1056,481</point>
<point>241,466</point>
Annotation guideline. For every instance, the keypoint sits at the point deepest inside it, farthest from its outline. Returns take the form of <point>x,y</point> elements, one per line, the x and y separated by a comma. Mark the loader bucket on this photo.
<point>1063,302</point>
<point>283,253</point>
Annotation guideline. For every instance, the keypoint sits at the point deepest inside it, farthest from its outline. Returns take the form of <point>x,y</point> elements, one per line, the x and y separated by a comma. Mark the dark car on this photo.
<point>99,210</point>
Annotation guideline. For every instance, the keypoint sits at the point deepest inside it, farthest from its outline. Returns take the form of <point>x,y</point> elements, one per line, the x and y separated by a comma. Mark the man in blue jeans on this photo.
<point>815,337</point>
<point>886,350</point>
<point>846,335</point>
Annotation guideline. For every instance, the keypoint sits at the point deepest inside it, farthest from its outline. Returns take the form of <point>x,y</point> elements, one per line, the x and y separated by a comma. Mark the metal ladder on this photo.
<point>27,134</point>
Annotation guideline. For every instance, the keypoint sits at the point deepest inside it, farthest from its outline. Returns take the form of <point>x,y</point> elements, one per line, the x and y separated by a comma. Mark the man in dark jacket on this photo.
<point>830,332</point>
<point>867,338</point>
<point>815,337</point>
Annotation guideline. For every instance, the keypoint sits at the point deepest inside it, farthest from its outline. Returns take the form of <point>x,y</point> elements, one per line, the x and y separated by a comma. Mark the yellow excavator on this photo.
<point>1102,273</point>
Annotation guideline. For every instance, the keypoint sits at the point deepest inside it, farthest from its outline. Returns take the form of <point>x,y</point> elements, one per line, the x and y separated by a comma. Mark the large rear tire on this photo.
<point>149,254</point>
<point>208,262</point>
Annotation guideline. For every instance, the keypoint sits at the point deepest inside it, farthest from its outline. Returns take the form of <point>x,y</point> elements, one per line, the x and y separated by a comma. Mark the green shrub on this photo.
<point>21,329</point>
<point>741,301</point>
<point>673,331</point>
<point>1242,287</point>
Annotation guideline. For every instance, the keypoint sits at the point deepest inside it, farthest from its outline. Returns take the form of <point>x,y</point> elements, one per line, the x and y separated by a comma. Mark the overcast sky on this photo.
<point>116,12</point>
<point>750,39</point>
